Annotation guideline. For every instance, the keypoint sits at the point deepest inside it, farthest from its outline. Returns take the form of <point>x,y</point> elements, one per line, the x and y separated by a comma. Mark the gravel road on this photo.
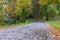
<point>33,31</point>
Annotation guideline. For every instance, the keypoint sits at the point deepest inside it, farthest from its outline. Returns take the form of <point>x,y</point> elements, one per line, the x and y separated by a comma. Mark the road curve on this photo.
<point>33,31</point>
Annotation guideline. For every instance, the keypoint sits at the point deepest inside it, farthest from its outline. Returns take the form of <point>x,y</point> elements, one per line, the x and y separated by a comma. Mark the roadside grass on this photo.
<point>55,24</point>
<point>14,25</point>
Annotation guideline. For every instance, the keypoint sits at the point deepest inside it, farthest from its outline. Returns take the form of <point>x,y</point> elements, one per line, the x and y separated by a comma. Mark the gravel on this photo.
<point>33,31</point>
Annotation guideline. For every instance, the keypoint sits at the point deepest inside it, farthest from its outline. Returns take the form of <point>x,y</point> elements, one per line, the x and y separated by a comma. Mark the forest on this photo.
<point>29,19</point>
<point>20,11</point>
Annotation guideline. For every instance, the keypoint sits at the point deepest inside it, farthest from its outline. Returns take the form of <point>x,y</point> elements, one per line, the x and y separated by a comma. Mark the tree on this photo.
<point>46,4</point>
<point>1,15</point>
<point>35,9</point>
<point>22,9</point>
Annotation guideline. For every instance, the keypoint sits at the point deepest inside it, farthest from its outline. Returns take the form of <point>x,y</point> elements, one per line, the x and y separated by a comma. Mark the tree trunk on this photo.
<point>35,9</point>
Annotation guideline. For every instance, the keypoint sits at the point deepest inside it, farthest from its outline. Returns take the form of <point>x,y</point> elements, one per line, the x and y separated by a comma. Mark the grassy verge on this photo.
<point>55,24</point>
<point>14,25</point>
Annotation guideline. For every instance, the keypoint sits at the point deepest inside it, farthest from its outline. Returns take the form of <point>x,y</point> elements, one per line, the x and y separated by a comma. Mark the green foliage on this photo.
<point>1,7</point>
<point>55,24</point>
<point>44,2</point>
<point>22,9</point>
<point>19,10</point>
<point>53,11</point>
<point>1,15</point>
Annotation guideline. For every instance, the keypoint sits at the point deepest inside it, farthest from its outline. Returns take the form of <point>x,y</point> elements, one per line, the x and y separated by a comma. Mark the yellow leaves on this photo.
<point>59,1</point>
<point>9,9</point>
<point>44,2</point>
<point>2,1</point>
<point>22,2</point>
<point>19,3</point>
<point>30,4</point>
<point>55,2</point>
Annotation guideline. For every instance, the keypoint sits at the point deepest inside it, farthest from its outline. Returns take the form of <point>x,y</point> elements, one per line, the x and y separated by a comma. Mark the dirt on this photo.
<point>55,32</point>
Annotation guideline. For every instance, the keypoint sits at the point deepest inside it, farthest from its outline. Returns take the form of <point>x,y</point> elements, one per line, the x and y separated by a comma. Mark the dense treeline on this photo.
<point>14,11</point>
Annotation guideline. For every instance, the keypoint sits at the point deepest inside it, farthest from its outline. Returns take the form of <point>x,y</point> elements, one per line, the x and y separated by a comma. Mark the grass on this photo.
<point>16,24</point>
<point>55,24</point>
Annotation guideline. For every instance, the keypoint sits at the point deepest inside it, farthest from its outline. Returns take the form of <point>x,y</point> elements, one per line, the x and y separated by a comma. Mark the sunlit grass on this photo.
<point>55,24</point>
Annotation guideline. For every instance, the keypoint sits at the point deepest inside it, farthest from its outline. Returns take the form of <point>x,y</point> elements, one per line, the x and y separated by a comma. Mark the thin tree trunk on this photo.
<point>35,10</point>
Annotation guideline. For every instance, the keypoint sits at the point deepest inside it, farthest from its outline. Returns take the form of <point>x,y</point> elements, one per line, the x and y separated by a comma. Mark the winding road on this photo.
<point>33,31</point>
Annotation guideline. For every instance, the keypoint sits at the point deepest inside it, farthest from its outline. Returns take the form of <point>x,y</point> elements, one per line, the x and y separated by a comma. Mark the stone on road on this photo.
<point>33,31</point>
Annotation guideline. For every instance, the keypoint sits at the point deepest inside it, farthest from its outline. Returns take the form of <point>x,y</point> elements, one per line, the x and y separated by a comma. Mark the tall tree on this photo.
<point>35,9</point>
